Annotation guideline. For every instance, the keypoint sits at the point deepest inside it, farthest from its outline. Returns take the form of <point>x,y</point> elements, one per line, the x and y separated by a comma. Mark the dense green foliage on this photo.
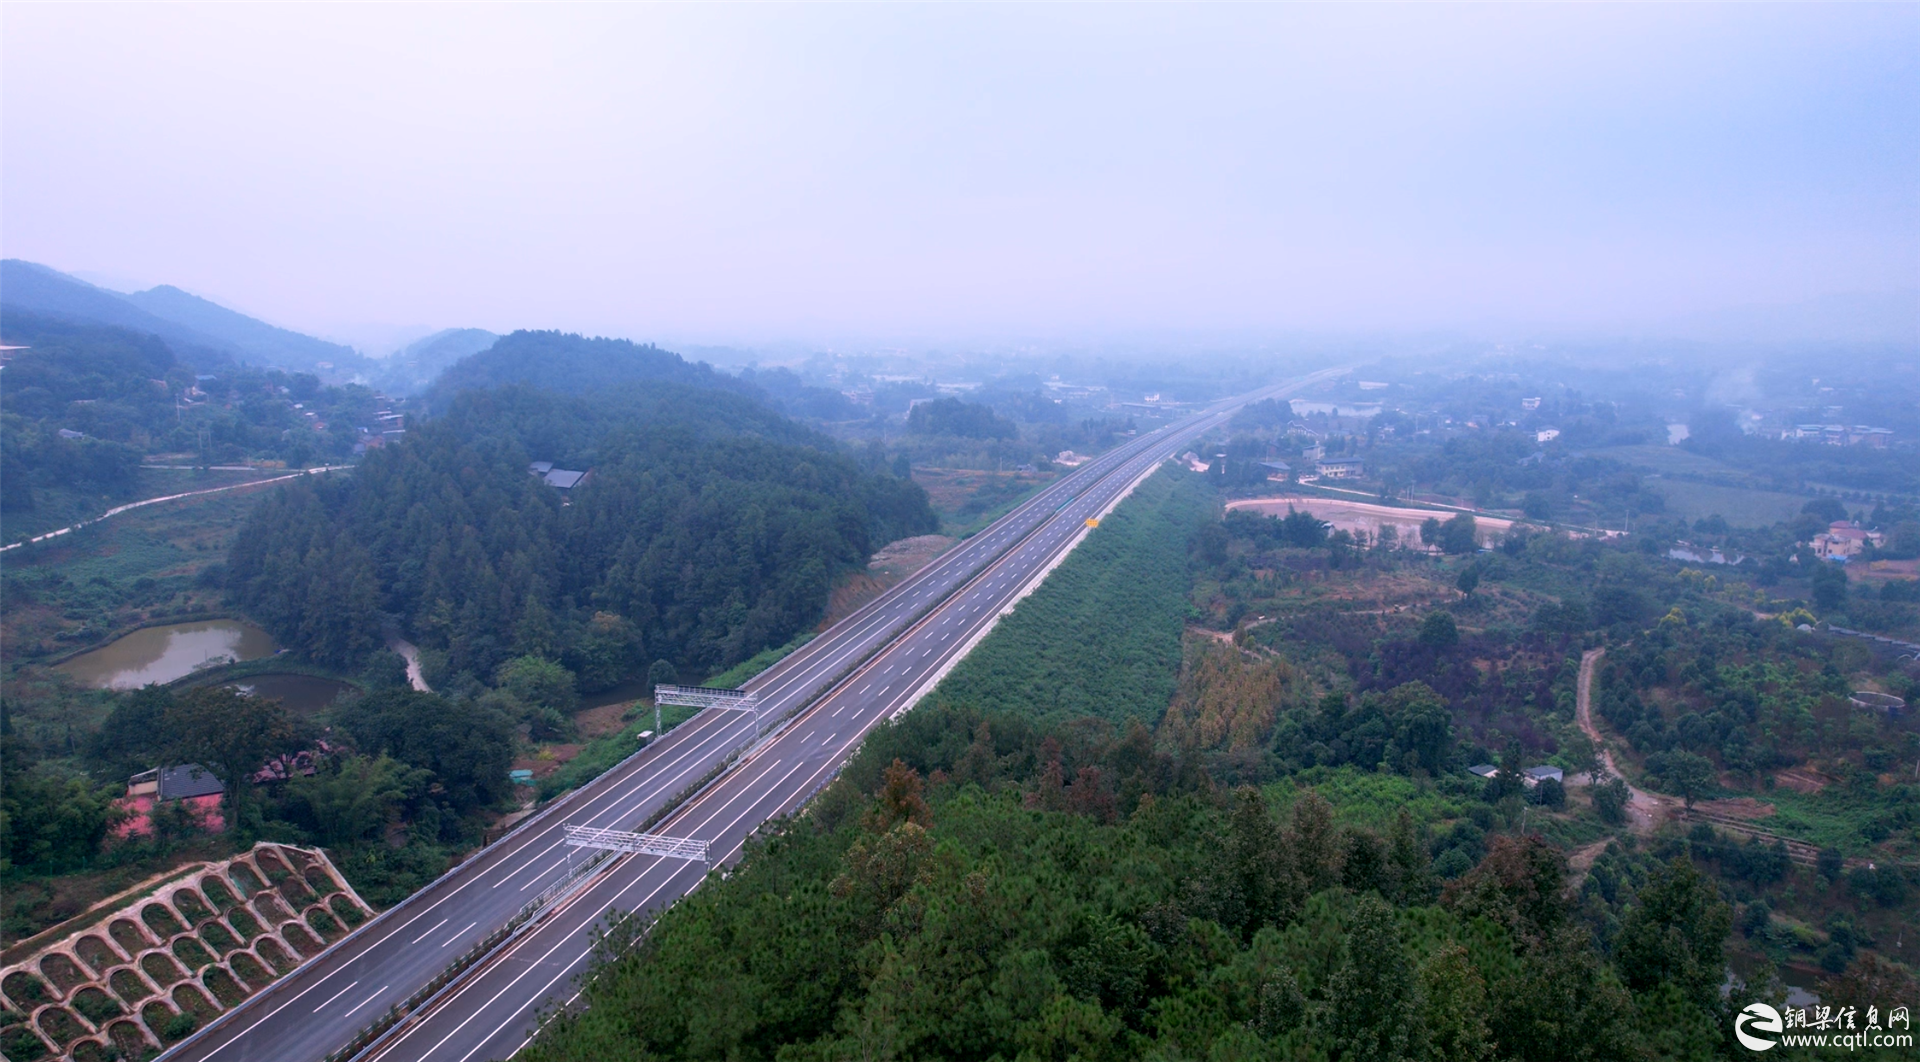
<point>950,416</point>
<point>1104,640</point>
<point>50,819</point>
<point>1751,697</point>
<point>1069,891</point>
<point>467,748</point>
<point>574,365</point>
<point>709,530</point>
<point>401,780</point>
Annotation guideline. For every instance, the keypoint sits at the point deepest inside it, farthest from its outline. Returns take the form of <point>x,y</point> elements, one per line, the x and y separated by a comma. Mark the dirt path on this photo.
<point>1580,860</point>
<point>408,652</point>
<point>118,509</point>
<point>1644,810</point>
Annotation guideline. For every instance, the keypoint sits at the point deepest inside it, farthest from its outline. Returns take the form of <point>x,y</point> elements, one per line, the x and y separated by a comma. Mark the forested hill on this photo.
<point>710,528</point>
<point>574,365</point>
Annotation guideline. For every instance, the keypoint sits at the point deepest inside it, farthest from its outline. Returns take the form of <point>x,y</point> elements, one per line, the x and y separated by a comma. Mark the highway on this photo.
<point>855,675</point>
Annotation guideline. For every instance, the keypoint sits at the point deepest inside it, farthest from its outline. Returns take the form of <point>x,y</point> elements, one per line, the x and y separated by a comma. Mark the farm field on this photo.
<point>1366,518</point>
<point>1670,459</point>
<point>1741,506</point>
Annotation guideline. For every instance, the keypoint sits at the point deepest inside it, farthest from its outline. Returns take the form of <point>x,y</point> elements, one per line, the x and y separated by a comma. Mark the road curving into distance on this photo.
<point>868,667</point>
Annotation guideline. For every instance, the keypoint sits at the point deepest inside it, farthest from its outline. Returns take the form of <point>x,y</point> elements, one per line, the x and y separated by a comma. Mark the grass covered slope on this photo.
<point>1102,636</point>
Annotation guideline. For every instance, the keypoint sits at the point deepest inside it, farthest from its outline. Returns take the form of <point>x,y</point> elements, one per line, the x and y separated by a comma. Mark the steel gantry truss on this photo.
<point>705,697</point>
<point>655,844</point>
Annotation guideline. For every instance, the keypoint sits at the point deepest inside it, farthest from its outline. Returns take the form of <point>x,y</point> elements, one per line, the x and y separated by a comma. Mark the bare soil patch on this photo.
<point>1360,517</point>
<point>544,765</point>
<point>894,562</point>
<point>1737,808</point>
<point>1802,780</point>
<point>601,721</point>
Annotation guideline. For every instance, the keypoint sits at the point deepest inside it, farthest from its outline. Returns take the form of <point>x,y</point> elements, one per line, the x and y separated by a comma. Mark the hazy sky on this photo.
<point>760,172</point>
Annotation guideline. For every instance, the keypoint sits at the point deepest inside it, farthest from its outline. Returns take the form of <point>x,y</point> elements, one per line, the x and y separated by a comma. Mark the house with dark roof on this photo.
<point>561,478</point>
<point>189,783</point>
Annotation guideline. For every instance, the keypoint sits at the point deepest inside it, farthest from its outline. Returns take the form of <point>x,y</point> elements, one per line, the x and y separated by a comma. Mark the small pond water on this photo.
<point>1336,409</point>
<point>299,694</point>
<point>165,653</point>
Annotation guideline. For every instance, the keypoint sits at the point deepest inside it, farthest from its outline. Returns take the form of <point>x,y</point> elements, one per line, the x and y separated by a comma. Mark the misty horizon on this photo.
<point>1006,175</point>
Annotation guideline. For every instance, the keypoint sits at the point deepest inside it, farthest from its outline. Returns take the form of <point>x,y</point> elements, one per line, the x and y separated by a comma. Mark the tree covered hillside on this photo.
<point>709,529</point>
<point>574,365</point>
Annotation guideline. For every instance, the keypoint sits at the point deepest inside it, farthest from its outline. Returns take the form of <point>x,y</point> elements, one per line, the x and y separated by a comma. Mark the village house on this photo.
<point>562,478</point>
<point>1341,468</point>
<point>1843,540</point>
<point>189,783</point>
<point>1531,777</point>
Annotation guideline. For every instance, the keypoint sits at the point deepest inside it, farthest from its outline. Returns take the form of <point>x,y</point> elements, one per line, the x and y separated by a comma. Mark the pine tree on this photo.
<point>1373,1001</point>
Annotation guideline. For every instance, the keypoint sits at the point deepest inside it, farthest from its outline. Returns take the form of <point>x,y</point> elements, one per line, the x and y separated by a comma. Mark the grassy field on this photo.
<point>55,509</point>
<point>146,566</point>
<point>1740,506</point>
<point>1670,459</point>
<point>967,500</point>
<point>160,564</point>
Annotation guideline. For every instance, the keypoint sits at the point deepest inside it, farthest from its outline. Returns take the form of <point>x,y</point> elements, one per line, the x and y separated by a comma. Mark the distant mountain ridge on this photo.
<point>203,333</point>
<point>277,346</point>
<point>29,288</point>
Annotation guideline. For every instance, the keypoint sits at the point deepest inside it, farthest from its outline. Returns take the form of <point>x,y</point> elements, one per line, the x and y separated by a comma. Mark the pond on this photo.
<point>1336,409</point>
<point>299,694</point>
<point>168,652</point>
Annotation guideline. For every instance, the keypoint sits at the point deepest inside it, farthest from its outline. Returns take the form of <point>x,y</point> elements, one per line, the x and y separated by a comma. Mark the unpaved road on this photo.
<point>1644,810</point>
<point>411,654</point>
<point>118,509</point>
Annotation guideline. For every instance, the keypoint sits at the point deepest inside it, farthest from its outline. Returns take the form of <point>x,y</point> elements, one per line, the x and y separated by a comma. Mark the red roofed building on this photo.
<point>1844,540</point>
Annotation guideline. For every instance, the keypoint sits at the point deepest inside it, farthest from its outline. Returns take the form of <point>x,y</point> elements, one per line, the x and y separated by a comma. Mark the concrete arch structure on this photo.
<point>116,944</point>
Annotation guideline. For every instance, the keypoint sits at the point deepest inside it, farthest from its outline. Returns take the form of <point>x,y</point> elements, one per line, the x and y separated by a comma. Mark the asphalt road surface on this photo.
<point>869,666</point>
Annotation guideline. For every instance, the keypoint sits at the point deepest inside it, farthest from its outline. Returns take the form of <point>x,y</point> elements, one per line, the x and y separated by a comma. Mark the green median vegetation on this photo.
<point>1102,637</point>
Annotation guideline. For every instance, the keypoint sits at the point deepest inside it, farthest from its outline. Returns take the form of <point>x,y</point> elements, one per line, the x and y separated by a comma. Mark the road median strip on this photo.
<point>383,1028</point>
